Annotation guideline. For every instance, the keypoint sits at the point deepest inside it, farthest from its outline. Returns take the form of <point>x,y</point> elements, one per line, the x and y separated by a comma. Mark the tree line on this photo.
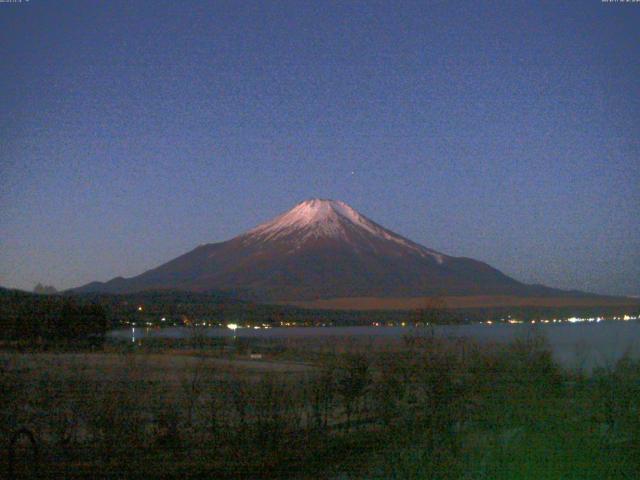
<point>39,320</point>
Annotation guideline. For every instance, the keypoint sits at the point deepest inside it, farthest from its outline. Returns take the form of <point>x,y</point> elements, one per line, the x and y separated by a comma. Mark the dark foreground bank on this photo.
<point>416,408</point>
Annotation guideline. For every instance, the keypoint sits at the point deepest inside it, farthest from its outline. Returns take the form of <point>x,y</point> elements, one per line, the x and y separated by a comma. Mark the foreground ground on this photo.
<point>406,409</point>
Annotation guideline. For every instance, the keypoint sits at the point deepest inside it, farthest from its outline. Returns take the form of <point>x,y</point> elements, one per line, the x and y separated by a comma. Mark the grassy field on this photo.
<point>411,408</point>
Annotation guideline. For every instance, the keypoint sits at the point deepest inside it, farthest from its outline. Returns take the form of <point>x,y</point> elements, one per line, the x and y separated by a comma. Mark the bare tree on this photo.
<point>352,381</point>
<point>192,383</point>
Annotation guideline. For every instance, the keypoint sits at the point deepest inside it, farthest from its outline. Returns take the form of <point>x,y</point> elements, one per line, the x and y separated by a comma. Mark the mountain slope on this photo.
<point>322,249</point>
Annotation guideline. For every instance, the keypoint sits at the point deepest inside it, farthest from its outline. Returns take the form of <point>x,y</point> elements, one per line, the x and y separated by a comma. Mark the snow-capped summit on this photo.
<point>320,249</point>
<point>323,215</point>
<point>332,219</point>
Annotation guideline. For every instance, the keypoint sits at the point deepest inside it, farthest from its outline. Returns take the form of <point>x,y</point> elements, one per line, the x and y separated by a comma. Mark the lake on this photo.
<point>583,345</point>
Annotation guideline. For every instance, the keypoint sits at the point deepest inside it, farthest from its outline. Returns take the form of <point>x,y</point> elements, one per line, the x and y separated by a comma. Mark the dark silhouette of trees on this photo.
<point>45,289</point>
<point>432,312</point>
<point>43,320</point>
<point>81,322</point>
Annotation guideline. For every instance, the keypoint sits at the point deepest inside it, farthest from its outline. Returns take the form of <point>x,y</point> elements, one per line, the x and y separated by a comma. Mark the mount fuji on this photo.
<point>322,249</point>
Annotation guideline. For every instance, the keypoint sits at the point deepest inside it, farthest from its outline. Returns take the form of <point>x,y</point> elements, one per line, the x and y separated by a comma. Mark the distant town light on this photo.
<point>232,326</point>
<point>140,308</point>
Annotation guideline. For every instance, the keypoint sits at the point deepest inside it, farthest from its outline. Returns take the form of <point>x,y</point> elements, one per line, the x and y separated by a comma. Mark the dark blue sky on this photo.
<point>132,131</point>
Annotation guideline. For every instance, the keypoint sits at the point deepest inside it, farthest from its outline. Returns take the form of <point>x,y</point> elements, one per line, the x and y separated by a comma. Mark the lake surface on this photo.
<point>583,345</point>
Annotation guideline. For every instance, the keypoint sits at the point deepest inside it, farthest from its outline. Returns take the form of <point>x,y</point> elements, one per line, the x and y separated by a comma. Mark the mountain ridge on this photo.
<point>322,248</point>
